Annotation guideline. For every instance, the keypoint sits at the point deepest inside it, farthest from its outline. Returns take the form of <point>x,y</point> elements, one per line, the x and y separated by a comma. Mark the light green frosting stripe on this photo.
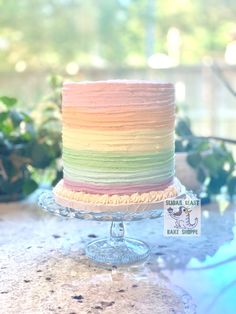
<point>112,155</point>
<point>104,167</point>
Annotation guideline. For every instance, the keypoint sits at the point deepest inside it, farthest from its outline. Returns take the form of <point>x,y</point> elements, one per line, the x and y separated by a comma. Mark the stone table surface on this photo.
<point>43,267</point>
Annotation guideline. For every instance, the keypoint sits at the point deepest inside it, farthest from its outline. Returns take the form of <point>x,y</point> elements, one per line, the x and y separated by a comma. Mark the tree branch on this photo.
<point>216,138</point>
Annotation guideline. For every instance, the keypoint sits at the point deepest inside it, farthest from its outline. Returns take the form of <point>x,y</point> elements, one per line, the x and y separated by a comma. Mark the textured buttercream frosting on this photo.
<point>118,140</point>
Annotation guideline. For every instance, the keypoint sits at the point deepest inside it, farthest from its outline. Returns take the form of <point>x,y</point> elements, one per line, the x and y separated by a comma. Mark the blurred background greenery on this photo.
<point>52,34</point>
<point>141,39</point>
<point>191,43</point>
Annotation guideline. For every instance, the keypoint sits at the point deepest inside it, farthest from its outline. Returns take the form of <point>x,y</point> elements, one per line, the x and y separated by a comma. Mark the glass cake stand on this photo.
<point>116,249</point>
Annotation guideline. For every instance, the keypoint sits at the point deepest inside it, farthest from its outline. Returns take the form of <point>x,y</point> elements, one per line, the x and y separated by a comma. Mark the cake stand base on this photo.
<point>117,250</point>
<point>104,252</point>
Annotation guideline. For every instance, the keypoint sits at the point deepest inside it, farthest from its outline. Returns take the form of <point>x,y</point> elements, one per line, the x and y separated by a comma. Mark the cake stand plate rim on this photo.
<point>47,201</point>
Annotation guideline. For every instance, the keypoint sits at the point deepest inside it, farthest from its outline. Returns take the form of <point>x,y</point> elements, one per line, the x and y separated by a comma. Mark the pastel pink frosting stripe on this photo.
<point>118,94</point>
<point>118,189</point>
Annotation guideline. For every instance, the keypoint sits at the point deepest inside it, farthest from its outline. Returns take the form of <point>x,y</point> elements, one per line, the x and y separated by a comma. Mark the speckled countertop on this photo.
<point>44,268</point>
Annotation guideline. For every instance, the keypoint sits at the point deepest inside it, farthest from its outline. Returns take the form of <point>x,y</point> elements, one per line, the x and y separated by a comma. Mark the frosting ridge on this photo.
<point>118,140</point>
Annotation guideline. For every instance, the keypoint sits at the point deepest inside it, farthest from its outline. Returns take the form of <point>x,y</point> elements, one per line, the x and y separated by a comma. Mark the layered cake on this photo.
<point>118,145</point>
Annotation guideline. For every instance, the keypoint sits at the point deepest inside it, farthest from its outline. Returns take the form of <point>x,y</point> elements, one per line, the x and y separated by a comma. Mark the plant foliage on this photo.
<point>212,160</point>
<point>28,144</point>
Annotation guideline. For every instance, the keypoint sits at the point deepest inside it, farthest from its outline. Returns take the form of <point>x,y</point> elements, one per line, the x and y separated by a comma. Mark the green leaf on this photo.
<point>5,146</point>
<point>29,134</point>
<point>232,163</point>
<point>194,159</point>
<point>29,186</point>
<point>218,181</point>
<point>40,155</point>
<point>201,175</point>
<point>232,186</point>
<point>7,127</point>
<point>8,167</point>
<point>3,116</point>
<point>211,164</point>
<point>8,187</point>
<point>22,149</point>
<point>201,145</point>
<point>220,152</point>
<point>179,147</point>
<point>58,177</point>
<point>8,101</point>
<point>214,186</point>
<point>183,128</point>
<point>27,118</point>
<point>16,117</point>
<point>1,138</point>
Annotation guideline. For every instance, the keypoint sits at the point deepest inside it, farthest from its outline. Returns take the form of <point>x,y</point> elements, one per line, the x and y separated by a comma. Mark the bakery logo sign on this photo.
<point>182,217</point>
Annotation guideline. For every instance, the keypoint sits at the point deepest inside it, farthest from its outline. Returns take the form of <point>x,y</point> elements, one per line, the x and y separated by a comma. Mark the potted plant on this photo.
<point>24,149</point>
<point>204,163</point>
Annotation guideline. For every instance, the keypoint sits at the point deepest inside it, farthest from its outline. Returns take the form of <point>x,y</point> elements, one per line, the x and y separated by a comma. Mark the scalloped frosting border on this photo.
<point>136,198</point>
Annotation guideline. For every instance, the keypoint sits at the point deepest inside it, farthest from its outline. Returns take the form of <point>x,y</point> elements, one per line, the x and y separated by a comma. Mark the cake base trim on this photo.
<point>101,203</point>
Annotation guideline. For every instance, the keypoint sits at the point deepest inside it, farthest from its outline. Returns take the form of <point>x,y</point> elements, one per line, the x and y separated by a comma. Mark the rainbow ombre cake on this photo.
<point>118,145</point>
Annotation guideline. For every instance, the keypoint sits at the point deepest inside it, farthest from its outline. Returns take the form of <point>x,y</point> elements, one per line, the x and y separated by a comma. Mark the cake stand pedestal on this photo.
<point>116,249</point>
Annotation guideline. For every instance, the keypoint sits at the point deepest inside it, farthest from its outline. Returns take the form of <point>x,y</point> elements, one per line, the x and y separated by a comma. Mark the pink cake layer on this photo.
<point>135,202</point>
<point>122,189</point>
